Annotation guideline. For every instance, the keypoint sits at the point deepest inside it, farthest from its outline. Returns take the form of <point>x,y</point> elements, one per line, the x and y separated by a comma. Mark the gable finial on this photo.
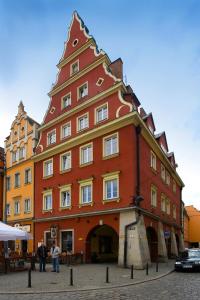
<point>20,108</point>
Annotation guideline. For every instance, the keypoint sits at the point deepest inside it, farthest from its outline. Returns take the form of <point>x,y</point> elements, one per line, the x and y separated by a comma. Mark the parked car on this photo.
<point>188,260</point>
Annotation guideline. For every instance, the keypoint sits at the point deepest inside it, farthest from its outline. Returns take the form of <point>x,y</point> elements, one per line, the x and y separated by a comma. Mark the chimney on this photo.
<point>117,68</point>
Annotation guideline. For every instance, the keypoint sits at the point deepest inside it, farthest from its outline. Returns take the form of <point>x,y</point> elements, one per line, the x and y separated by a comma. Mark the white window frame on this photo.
<point>163,203</point>
<point>84,116</point>
<point>106,138</point>
<point>64,230</point>
<point>79,97</point>
<point>71,67</point>
<point>153,160</point>
<point>18,185</point>
<point>168,206</point>
<point>8,180</point>
<point>14,156</point>
<point>110,177</point>
<point>97,109</point>
<point>8,209</point>
<point>45,194</point>
<point>53,131</point>
<point>27,210</point>
<point>69,98</point>
<point>22,151</point>
<point>168,179</point>
<point>44,168</point>
<point>18,205</point>
<point>65,188</point>
<point>163,172</point>
<point>89,154</point>
<point>68,124</point>
<point>153,195</point>
<point>83,184</point>
<point>68,153</point>
<point>29,177</point>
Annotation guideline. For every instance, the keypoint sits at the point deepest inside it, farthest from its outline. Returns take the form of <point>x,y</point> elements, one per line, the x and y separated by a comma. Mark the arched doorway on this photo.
<point>152,242</point>
<point>102,245</point>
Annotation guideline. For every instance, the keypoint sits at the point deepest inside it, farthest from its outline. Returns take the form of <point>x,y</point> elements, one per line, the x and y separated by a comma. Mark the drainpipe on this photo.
<point>137,198</point>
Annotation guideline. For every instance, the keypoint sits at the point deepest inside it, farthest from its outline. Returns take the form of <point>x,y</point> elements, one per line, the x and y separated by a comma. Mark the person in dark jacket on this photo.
<point>42,254</point>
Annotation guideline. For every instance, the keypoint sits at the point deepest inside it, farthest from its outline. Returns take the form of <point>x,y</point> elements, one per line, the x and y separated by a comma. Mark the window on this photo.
<point>17,207</point>
<point>83,122</point>
<point>47,200</point>
<point>65,161</point>
<point>65,196</point>
<point>174,211</point>
<point>162,172</point>
<point>153,196</point>
<point>167,206</point>
<point>21,153</point>
<point>111,186</point>
<point>67,241</point>
<point>99,81</point>
<point>8,184</point>
<point>85,192</point>
<point>110,145</point>
<point>27,205</point>
<point>48,168</point>
<point>167,178</point>
<point>83,90</point>
<point>174,186</point>
<point>86,155</point>
<point>153,160</point>
<point>75,42</point>
<point>14,156</point>
<point>66,130</point>
<point>27,176</point>
<point>66,101</point>
<point>74,67</point>
<point>17,180</point>
<point>101,113</point>
<point>8,209</point>
<point>163,204</point>
<point>51,137</point>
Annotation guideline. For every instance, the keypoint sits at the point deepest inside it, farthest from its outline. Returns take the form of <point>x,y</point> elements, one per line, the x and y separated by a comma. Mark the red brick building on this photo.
<point>106,184</point>
<point>1,181</point>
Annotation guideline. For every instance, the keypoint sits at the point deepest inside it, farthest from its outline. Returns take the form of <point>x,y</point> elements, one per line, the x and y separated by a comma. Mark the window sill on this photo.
<point>110,156</point>
<point>86,204</point>
<point>27,212</point>
<point>154,170</point>
<point>100,122</point>
<point>16,214</point>
<point>111,200</point>
<point>82,130</point>
<point>49,145</point>
<point>86,164</point>
<point>47,177</point>
<point>17,187</point>
<point>65,208</point>
<point>27,183</point>
<point>82,98</point>
<point>47,211</point>
<point>65,171</point>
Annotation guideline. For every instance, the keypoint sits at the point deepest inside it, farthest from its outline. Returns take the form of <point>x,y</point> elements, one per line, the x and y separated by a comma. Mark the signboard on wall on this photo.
<point>54,231</point>
<point>167,234</point>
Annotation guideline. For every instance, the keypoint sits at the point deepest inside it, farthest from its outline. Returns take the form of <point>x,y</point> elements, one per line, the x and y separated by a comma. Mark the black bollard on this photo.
<point>156,266</point>
<point>29,278</point>
<point>147,269</point>
<point>132,272</point>
<point>71,277</point>
<point>107,274</point>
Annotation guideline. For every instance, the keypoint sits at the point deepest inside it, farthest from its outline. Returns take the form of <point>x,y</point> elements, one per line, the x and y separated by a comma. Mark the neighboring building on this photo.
<point>106,185</point>
<point>1,181</point>
<point>193,226</point>
<point>19,195</point>
<point>186,228</point>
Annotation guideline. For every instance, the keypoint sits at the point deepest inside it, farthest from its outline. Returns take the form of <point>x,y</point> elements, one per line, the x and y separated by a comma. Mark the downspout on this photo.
<point>137,198</point>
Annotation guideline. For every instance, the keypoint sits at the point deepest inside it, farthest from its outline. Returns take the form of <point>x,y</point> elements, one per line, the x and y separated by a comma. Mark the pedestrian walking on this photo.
<point>55,252</point>
<point>42,254</point>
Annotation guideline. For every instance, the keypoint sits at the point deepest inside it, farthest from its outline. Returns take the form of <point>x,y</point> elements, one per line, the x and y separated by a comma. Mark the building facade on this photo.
<point>1,181</point>
<point>192,225</point>
<point>106,184</point>
<point>19,194</point>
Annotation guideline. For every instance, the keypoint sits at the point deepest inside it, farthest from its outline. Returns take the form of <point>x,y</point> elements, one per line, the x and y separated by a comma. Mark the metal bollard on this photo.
<point>29,278</point>
<point>71,277</point>
<point>132,272</point>
<point>156,266</point>
<point>107,274</point>
<point>147,269</point>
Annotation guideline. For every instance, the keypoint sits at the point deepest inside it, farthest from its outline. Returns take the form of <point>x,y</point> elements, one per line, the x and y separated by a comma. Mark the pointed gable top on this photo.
<point>162,140</point>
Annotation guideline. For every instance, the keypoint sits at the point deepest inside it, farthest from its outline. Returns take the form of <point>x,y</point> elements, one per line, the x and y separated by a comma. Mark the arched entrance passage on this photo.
<point>152,242</point>
<point>102,244</point>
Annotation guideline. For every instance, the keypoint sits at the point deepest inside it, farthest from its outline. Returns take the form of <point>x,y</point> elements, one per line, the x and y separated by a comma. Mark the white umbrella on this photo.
<point>8,233</point>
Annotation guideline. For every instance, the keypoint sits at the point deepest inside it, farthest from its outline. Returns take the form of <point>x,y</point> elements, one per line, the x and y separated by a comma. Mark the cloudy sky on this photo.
<point>158,41</point>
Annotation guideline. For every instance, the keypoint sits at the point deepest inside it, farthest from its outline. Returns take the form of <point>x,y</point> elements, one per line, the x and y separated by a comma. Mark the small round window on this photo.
<point>75,42</point>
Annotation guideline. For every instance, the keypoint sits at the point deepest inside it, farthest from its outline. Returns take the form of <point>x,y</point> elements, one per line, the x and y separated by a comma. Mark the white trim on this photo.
<point>71,65</point>
<point>109,73</point>
<point>96,52</point>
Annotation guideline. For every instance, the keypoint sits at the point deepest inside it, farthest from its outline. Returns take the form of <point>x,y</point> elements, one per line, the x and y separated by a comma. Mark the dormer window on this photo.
<point>66,100</point>
<point>51,137</point>
<point>83,91</point>
<point>74,68</point>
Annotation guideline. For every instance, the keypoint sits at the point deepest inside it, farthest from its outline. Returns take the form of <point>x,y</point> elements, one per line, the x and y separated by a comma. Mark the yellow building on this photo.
<point>193,226</point>
<point>19,195</point>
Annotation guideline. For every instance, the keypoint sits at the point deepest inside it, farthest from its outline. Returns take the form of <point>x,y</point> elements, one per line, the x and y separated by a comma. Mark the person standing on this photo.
<point>42,254</point>
<point>55,252</point>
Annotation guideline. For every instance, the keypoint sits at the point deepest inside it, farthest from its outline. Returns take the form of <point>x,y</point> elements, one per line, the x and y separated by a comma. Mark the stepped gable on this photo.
<point>93,65</point>
<point>162,141</point>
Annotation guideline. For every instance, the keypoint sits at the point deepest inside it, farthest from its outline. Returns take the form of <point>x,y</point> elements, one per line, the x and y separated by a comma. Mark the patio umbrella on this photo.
<point>8,233</point>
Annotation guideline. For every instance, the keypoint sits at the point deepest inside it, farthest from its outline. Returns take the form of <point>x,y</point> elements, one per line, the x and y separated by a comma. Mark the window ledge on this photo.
<point>27,183</point>
<point>44,211</point>
<point>86,204</point>
<point>111,200</point>
<point>154,170</point>
<point>65,208</point>
<point>49,145</point>
<point>86,164</point>
<point>65,171</point>
<point>82,130</point>
<point>110,156</point>
<point>47,177</point>
<point>27,212</point>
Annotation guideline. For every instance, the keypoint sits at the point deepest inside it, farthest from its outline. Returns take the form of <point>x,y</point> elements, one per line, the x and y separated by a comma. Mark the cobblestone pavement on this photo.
<point>173,286</point>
